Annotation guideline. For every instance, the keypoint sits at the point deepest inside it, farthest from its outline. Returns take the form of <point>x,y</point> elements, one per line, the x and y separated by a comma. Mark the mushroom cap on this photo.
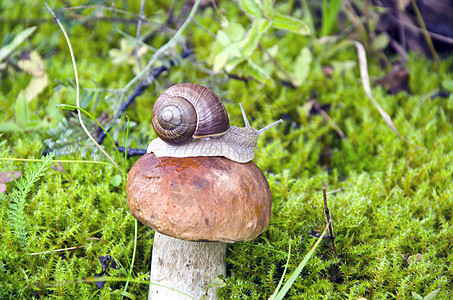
<point>199,198</point>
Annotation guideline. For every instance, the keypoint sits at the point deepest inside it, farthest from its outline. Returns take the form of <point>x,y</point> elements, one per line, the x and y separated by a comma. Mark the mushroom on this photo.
<point>196,205</point>
<point>198,188</point>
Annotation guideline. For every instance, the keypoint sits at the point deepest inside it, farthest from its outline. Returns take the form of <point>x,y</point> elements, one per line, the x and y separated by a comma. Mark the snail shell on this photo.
<point>205,130</point>
<point>186,111</point>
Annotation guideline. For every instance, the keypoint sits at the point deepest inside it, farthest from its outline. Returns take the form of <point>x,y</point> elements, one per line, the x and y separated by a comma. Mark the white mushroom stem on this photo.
<point>188,267</point>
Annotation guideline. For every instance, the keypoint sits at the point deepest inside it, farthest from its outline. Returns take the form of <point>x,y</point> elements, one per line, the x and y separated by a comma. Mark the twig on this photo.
<point>132,151</point>
<point>78,88</point>
<point>139,29</point>
<point>164,48</point>
<point>58,250</point>
<point>139,90</point>
<point>401,31</point>
<point>329,221</point>
<point>426,35</point>
<point>55,160</point>
<point>434,35</point>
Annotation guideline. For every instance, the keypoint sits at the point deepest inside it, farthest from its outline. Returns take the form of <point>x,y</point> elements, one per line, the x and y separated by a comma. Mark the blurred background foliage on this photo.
<point>391,200</point>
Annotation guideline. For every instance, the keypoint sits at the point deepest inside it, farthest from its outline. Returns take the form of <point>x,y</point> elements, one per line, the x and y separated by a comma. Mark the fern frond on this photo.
<point>19,196</point>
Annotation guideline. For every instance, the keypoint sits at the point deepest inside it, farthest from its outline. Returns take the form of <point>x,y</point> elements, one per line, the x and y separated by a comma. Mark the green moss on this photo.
<point>390,199</point>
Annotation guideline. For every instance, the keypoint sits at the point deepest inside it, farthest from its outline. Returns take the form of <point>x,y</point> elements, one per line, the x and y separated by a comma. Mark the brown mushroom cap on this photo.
<point>199,198</point>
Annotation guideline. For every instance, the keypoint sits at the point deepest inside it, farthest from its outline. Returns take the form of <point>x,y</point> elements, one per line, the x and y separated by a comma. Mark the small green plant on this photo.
<point>280,293</point>
<point>235,48</point>
<point>216,282</point>
<point>17,206</point>
<point>430,296</point>
<point>391,201</point>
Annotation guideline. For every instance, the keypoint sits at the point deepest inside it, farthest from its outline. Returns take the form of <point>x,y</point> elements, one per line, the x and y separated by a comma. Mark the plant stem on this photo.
<point>78,87</point>
<point>133,255</point>
<point>329,221</point>
<point>127,136</point>
<point>139,29</point>
<point>164,48</point>
<point>426,35</point>
<point>68,106</point>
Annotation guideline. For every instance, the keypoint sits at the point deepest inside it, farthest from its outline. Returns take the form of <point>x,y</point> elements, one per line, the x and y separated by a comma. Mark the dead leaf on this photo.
<point>6,177</point>
<point>36,86</point>
<point>395,81</point>
<point>58,167</point>
<point>327,71</point>
<point>363,68</point>
<point>414,258</point>
<point>32,64</point>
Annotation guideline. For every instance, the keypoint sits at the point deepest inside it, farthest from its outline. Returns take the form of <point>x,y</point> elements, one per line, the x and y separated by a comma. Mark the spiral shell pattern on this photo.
<point>187,110</point>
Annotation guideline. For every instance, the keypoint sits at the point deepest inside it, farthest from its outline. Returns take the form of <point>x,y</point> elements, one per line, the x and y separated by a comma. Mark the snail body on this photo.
<point>204,131</point>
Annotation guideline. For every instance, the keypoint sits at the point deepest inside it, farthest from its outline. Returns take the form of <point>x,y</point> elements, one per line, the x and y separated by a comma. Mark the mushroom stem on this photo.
<point>180,267</point>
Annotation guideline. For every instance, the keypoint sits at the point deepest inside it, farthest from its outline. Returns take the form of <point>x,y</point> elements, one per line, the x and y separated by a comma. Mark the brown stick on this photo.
<point>329,221</point>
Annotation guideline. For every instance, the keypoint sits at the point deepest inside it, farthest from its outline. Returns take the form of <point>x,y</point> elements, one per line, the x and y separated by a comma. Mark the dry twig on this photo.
<point>329,221</point>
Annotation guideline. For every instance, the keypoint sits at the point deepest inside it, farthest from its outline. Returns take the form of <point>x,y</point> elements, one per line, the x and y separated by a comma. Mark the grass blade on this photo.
<point>281,294</point>
<point>284,271</point>
<point>366,86</point>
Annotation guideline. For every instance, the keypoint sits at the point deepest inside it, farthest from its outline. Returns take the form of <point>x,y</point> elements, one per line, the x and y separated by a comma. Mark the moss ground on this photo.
<point>391,201</point>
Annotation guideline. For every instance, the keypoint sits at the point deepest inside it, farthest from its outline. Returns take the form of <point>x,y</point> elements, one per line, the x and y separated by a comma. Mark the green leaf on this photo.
<point>254,35</point>
<point>301,67</point>
<point>85,99</point>
<point>232,63</point>
<point>290,23</point>
<point>449,102</point>
<point>268,9</point>
<point>19,39</point>
<point>417,296</point>
<point>216,48</point>
<point>431,295</point>
<point>448,84</point>
<point>253,7</point>
<point>9,127</point>
<point>228,45</point>
<point>284,273</point>
<point>218,282</point>
<point>24,119</point>
<point>308,16</point>
<point>223,38</point>
<point>235,32</point>
<point>380,42</point>
<point>128,295</point>
<point>22,113</point>
<point>259,73</point>
<point>281,294</point>
<point>116,180</point>
<point>51,109</point>
<point>330,12</point>
<point>220,60</point>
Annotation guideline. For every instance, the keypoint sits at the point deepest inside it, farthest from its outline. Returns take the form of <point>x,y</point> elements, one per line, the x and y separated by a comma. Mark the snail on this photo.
<point>190,120</point>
